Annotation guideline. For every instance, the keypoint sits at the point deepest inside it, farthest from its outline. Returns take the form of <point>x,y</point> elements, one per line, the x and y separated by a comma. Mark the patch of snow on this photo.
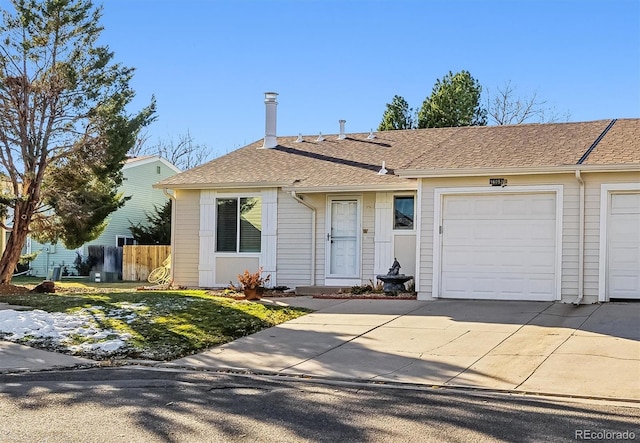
<point>132,306</point>
<point>63,330</point>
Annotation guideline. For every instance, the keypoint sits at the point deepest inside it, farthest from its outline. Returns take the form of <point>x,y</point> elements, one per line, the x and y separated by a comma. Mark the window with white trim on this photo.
<point>403,211</point>
<point>238,224</point>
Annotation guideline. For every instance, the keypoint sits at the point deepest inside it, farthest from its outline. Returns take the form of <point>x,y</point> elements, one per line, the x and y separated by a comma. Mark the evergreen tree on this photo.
<point>398,115</point>
<point>454,101</point>
<point>64,129</point>
<point>158,229</point>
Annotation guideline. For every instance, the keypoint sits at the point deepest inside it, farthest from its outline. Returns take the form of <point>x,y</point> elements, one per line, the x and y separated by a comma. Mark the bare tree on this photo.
<point>506,108</point>
<point>184,153</point>
<point>139,146</point>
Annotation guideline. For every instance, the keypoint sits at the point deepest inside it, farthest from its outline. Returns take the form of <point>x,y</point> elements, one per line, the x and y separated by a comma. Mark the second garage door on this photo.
<point>623,251</point>
<point>499,246</point>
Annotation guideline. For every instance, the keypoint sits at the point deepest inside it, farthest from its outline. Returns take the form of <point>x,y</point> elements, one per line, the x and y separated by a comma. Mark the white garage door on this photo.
<point>623,251</point>
<point>499,247</point>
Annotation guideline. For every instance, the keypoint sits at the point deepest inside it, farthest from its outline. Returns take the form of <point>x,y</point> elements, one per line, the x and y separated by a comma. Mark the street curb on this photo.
<point>391,384</point>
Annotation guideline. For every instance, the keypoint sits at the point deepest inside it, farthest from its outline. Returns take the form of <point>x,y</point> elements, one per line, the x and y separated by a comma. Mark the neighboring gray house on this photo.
<point>140,173</point>
<point>519,212</point>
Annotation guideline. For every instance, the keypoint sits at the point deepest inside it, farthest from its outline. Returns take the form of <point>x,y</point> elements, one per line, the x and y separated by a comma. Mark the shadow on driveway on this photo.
<point>589,351</point>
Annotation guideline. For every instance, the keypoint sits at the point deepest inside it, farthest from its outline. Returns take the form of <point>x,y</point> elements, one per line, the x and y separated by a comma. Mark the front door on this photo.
<point>343,242</point>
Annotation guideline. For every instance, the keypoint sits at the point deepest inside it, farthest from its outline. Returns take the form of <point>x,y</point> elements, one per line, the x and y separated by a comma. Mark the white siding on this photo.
<point>593,184</point>
<point>228,268</point>
<point>207,239</point>
<point>319,201</point>
<point>570,226</point>
<point>186,245</point>
<point>204,229</point>
<point>404,250</point>
<point>383,229</point>
<point>294,242</point>
<point>294,232</point>
<point>569,268</point>
<point>424,266</point>
<point>368,236</point>
<point>268,256</point>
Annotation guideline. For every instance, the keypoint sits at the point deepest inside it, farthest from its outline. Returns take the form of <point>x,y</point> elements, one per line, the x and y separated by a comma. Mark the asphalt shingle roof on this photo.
<point>621,145</point>
<point>355,160</point>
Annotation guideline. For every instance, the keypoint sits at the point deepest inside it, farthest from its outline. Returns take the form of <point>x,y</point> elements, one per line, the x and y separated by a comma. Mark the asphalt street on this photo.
<point>131,404</point>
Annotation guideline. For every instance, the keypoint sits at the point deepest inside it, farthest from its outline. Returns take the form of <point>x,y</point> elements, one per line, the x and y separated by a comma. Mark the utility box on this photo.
<point>103,277</point>
<point>55,273</point>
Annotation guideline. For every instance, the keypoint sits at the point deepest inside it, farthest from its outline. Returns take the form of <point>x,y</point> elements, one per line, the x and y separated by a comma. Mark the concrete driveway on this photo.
<point>535,347</point>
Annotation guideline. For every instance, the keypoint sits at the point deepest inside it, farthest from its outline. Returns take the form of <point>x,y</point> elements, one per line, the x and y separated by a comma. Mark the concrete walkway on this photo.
<point>19,358</point>
<point>534,347</point>
<point>15,357</point>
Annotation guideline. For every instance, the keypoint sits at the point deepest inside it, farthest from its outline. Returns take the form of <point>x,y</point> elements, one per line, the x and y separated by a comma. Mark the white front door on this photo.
<point>343,242</point>
<point>623,249</point>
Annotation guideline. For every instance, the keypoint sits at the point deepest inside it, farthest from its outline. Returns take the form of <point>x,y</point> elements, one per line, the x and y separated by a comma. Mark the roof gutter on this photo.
<point>313,234</point>
<point>477,172</point>
<point>412,186</point>
<point>581,240</point>
<point>166,192</point>
<point>227,185</point>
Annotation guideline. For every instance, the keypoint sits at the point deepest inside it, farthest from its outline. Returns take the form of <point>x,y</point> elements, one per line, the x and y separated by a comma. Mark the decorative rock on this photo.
<point>46,287</point>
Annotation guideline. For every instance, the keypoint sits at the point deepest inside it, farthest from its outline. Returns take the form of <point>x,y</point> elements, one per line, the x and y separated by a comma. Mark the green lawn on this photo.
<point>164,325</point>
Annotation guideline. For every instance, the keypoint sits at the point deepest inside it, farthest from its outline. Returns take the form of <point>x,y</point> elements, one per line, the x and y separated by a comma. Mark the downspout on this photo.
<point>580,240</point>
<point>313,235</point>
<point>581,229</point>
<point>172,197</point>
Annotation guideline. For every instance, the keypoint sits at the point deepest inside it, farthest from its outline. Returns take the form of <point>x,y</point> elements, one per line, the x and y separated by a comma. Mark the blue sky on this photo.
<point>209,62</point>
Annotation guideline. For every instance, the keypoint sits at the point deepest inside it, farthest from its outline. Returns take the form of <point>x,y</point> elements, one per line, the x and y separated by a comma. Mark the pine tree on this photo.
<point>454,101</point>
<point>398,115</point>
<point>64,129</point>
<point>158,229</point>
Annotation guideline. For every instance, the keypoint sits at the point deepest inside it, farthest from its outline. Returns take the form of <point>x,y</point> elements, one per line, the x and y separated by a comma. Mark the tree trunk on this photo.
<point>16,241</point>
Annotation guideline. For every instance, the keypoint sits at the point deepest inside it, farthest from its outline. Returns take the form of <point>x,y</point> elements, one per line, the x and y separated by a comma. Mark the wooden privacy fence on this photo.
<point>139,260</point>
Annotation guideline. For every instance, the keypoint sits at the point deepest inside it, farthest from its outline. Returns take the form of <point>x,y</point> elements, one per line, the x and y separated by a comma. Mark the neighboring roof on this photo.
<point>146,159</point>
<point>353,162</point>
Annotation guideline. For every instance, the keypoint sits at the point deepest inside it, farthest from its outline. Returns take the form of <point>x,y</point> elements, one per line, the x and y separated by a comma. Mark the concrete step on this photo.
<point>315,290</point>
